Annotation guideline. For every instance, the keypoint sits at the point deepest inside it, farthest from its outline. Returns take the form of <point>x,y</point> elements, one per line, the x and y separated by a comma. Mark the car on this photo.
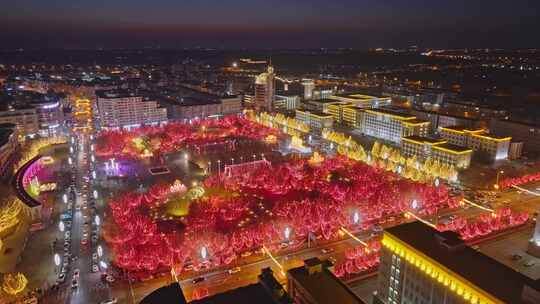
<point>76,273</point>
<point>327,250</point>
<point>67,235</point>
<point>198,280</point>
<point>529,263</point>
<point>234,270</point>
<point>110,301</point>
<point>95,268</point>
<point>74,283</point>
<point>109,278</point>
<point>516,257</point>
<point>61,278</point>
<point>332,260</point>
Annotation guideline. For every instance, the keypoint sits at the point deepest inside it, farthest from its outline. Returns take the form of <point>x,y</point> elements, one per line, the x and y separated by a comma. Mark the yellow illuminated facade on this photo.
<point>478,140</point>
<point>436,149</point>
<point>444,286</point>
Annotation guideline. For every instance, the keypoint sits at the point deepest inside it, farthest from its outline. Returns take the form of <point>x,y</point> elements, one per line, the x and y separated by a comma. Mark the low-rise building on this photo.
<point>313,283</point>
<point>528,133</point>
<point>362,100</point>
<point>287,101</point>
<point>231,104</point>
<point>391,125</point>
<point>496,147</point>
<point>315,120</point>
<point>436,149</point>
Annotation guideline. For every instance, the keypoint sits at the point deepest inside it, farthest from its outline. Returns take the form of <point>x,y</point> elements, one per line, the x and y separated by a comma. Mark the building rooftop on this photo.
<point>323,285</point>
<point>358,96</point>
<point>424,140</point>
<point>463,262</point>
<point>463,129</point>
<point>316,113</point>
<point>191,101</point>
<point>324,100</point>
<point>397,114</point>
<point>453,148</point>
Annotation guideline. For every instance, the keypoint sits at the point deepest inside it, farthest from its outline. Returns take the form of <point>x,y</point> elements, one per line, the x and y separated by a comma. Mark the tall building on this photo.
<point>313,283</point>
<point>265,88</point>
<point>125,109</point>
<point>309,87</point>
<point>422,265</point>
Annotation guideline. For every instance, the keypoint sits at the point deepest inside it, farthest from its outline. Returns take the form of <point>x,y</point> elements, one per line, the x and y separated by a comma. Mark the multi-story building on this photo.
<point>287,101</point>
<point>419,264</point>
<point>314,283</point>
<point>265,88</point>
<point>391,125</point>
<point>527,133</point>
<point>24,118</point>
<point>315,120</point>
<point>319,105</point>
<point>363,101</point>
<point>50,116</point>
<point>125,109</point>
<point>436,149</point>
<point>496,147</point>
<point>438,119</point>
<point>231,104</point>
<point>309,87</point>
<point>9,147</point>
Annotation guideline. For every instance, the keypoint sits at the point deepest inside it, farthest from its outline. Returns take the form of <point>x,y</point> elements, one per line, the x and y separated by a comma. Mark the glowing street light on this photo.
<point>95,193</point>
<point>71,150</point>
<point>97,220</point>
<point>94,174</point>
<point>186,157</point>
<point>356,217</point>
<point>64,198</point>
<point>103,265</point>
<point>92,147</point>
<point>204,252</point>
<point>235,64</point>
<point>437,182</point>
<point>414,204</point>
<point>99,251</point>
<point>57,259</point>
<point>287,233</point>
<point>93,158</point>
<point>70,161</point>
<point>61,226</point>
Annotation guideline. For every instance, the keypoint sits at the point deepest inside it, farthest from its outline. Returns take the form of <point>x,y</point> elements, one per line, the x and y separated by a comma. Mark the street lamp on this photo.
<point>61,226</point>
<point>414,204</point>
<point>287,233</point>
<point>64,198</point>
<point>356,218</point>
<point>99,251</point>
<point>57,259</point>
<point>93,158</point>
<point>204,252</point>
<point>232,161</point>
<point>496,186</point>
<point>97,220</point>
<point>70,161</point>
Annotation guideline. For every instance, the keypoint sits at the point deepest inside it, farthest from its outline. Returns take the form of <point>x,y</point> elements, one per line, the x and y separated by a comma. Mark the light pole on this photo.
<point>496,186</point>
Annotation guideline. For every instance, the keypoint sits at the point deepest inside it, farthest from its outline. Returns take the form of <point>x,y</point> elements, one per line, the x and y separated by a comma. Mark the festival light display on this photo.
<point>359,259</point>
<point>155,140</point>
<point>233,214</point>
<point>14,283</point>
<point>520,180</point>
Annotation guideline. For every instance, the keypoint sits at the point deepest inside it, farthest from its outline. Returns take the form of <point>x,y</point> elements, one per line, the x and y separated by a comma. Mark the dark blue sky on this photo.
<point>270,23</point>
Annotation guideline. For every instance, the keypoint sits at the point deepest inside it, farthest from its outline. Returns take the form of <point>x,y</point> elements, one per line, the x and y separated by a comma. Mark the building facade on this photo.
<point>527,133</point>
<point>288,102</point>
<point>496,147</point>
<point>265,89</point>
<point>436,149</point>
<point>315,120</point>
<point>420,265</point>
<point>390,125</point>
<point>125,109</point>
<point>9,148</point>
<point>25,119</point>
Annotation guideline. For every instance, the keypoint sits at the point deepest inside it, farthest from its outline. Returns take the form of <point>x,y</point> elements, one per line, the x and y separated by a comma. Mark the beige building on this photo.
<point>496,147</point>
<point>125,109</point>
<point>26,120</point>
<point>315,120</point>
<point>391,125</point>
<point>436,149</point>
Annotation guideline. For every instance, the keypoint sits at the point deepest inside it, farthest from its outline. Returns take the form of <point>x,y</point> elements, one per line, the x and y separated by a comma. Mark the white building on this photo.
<point>496,147</point>
<point>315,120</point>
<point>24,118</point>
<point>390,125</point>
<point>124,109</point>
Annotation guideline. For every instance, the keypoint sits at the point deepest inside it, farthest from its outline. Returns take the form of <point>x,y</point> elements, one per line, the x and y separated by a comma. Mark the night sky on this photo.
<point>269,24</point>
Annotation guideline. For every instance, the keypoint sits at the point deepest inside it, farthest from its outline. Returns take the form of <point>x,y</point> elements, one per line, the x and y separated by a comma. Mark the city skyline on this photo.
<point>258,24</point>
